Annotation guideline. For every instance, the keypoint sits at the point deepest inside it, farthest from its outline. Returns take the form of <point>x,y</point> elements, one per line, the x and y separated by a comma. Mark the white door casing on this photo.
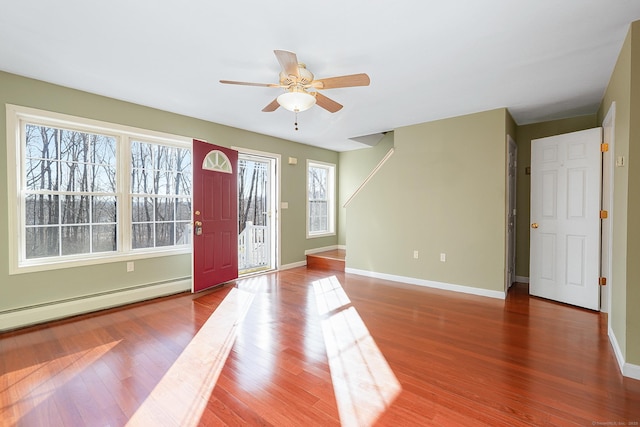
<point>512,154</point>
<point>565,218</point>
<point>608,137</point>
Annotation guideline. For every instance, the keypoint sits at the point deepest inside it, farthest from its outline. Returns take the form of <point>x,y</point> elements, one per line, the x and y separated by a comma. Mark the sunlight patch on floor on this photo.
<point>182,394</point>
<point>363,382</point>
<point>62,369</point>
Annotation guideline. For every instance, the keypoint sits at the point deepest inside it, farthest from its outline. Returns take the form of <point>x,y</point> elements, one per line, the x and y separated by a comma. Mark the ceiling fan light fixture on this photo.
<point>296,101</point>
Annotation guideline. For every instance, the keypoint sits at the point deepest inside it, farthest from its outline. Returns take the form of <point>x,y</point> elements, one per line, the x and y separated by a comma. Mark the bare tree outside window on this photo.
<point>70,192</point>
<point>89,192</point>
<point>160,195</point>
<point>320,183</point>
<point>252,190</point>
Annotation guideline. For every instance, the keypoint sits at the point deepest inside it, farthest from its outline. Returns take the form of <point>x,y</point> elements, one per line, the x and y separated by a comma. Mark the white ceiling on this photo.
<point>542,59</point>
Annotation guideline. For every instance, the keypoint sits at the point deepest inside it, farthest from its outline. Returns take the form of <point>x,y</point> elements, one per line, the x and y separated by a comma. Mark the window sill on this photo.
<point>33,267</point>
<point>314,236</point>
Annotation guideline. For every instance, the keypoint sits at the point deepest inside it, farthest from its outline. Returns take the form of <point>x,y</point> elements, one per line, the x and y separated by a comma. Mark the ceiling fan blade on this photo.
<point>273,106</point>
<point>327,103</point>
<point>232,82</point>
<point>342,81</point>
<point>288,61</point>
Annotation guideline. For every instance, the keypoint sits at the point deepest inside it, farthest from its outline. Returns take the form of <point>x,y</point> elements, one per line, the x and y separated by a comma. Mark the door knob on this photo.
<point>534,225</point>
<point>198,228</point>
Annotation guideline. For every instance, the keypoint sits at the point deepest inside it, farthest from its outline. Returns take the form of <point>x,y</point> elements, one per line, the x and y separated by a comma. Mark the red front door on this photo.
<point>215,215</point>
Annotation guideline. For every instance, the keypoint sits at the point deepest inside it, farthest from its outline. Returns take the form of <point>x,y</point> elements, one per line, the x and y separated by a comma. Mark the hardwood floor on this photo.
<point>312,347</point>
<point>328,260</point>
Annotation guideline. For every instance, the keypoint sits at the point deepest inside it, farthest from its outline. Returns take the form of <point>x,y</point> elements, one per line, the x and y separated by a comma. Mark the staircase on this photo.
<point>329,260</point>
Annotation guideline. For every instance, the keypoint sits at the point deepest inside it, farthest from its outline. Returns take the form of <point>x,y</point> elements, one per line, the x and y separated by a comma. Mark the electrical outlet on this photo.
<point>443,257</point>
<point>130,266</point>
<point>415,254</point>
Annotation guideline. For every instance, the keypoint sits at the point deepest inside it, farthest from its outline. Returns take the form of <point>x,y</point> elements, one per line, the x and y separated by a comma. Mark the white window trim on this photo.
<point>332,199</point>
<point>15,115</point>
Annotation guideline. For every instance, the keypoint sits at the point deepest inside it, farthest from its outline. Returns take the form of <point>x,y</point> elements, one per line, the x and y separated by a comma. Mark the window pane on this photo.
<point>75,209</point>
<point>41,209</point>
<point>183,160</point>
<point>104,238</point>
<point>41,142</point>
<point>183,209</point>
<point>141,155</point>
<point>41,174</point>
<point>104,209</point>
<point>104,150</point>
<point>142,181</point>
<point>41,242</point>
<point>74,177</point>
<point>164,234</point>
<point>318,215</point>
<point>142,235</point>
<point>318,183</point>
<point>142,209</point>
<point>183,233</point>
<point>164,182</point>
<point>104,179</point>
<point>183,184</point>
<point>164,209</point>
<point>165,158</point>
<point>74,146</point>
<point>75,239</point>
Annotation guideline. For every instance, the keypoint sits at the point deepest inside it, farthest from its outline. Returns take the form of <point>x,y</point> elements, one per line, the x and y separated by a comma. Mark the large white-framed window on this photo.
<point>321,190</point>
<point>86,192</point>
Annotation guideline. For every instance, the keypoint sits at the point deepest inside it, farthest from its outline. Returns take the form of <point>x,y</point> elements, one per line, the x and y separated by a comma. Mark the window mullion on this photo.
<point>124,193</point>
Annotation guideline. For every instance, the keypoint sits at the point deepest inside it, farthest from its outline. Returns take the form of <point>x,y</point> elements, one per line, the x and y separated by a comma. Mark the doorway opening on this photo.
<point>257,214</point>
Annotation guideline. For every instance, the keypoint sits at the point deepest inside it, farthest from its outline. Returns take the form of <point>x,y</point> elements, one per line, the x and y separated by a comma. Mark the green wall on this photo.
<point>624,90</point>
<point>26,290</point>
<point>354,168</point>
<point>442,191</point>
<point>524,135</point>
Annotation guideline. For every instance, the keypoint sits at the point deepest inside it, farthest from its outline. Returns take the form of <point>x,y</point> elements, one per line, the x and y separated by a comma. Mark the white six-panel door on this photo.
<point>565,218</point>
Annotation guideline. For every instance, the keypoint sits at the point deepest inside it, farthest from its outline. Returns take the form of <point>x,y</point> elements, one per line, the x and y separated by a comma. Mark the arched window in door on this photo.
<point>217,161</point>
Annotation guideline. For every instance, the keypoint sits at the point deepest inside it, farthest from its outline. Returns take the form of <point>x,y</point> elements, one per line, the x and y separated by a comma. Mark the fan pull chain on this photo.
<point>296,122</point>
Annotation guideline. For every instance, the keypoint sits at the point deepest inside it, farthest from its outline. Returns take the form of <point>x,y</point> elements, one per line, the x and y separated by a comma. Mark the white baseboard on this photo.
<point>342,247</point>
<point>43,313</point>
<point>293,265</point>
<point>429,283</point>
<point>325,249</point>
<point>627,369</point>
<point>631,371</point>
<point>616,349</point>
<point>522,279</point>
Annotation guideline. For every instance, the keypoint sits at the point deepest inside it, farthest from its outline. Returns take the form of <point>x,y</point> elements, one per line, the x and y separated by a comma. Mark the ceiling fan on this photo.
<point>301,88</point>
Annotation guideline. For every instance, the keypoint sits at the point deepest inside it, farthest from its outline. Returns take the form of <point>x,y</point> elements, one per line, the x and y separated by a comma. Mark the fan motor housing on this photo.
<point>305,78</point>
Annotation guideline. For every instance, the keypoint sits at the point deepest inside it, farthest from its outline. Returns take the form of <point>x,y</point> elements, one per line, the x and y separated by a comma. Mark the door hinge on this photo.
<point>604,147</point>
<point>604,214</point>
<point>602,281</point>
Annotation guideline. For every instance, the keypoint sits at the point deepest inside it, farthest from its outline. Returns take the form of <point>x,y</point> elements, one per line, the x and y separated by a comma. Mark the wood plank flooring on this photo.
<point>309,336</point>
